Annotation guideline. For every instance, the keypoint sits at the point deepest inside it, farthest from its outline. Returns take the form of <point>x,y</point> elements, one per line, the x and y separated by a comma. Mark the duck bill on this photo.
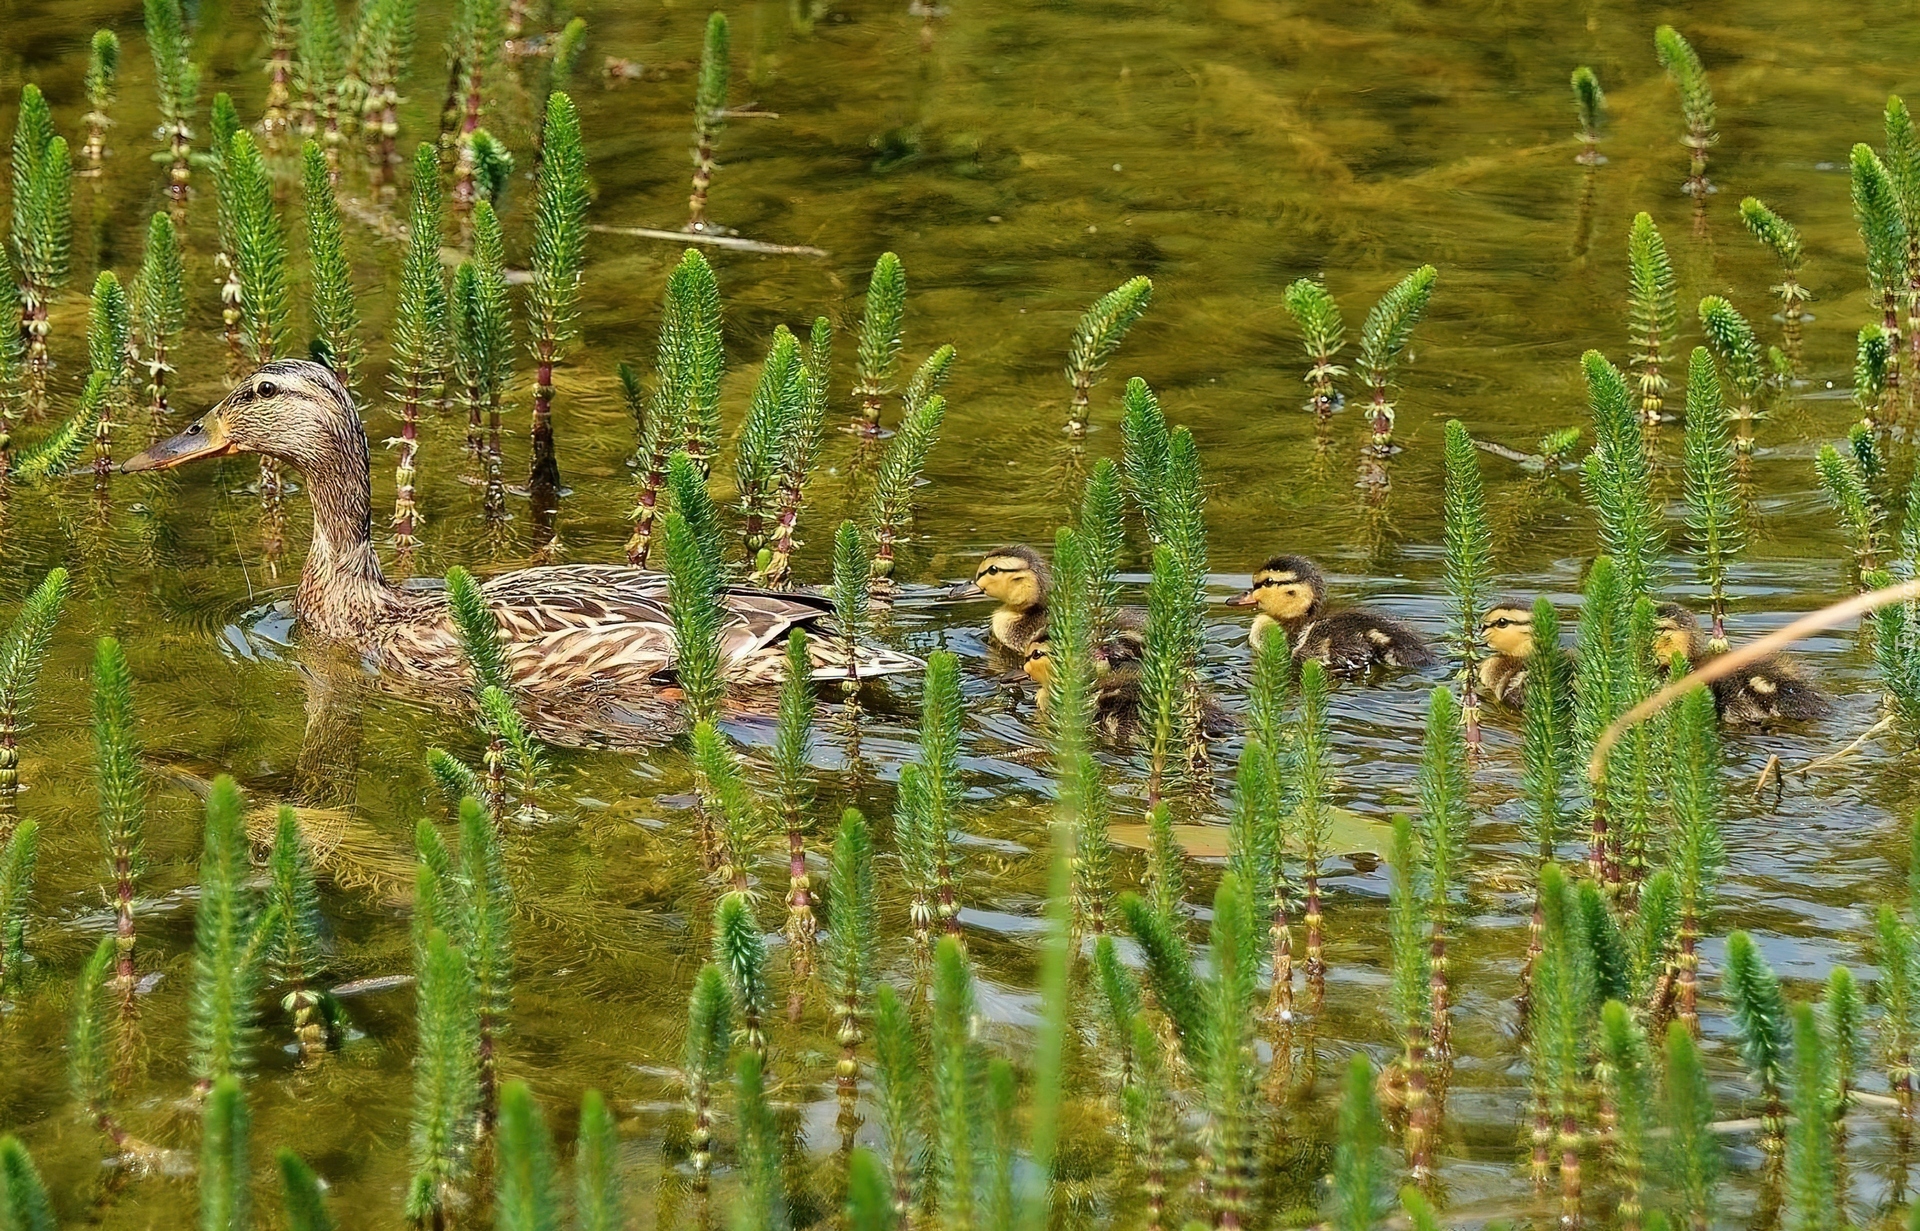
<point>206,437</point>
<point>1241,600</point>
<point>965,589</point>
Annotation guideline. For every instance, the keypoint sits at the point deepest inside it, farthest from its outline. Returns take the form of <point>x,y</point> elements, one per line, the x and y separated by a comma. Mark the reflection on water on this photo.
<point>1031,158</point>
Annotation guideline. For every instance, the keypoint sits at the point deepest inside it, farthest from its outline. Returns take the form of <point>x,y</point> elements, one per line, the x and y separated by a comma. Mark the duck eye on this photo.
<point>193,429</point>
<point>265,389</point>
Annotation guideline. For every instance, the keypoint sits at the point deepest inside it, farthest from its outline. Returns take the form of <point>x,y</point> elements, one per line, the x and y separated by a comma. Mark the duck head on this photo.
<point>1016,576</point>
<point>1286,588</point>
<point>1508,630</point>
<point>1675,633</point>
<point>289,409</point>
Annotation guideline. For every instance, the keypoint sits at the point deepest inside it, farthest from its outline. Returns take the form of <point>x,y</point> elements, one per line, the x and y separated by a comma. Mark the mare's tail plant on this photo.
<point>1652,316</point>
<point>1546,748</point>
<point>386,53</point>
<point>320,73</point>
<point>421,337</point>
<point>1359,1173</point>
<point>330,308</point>
<point>1713,504</point>
<point>1095,339</point>
<point>1322,333</point>
<point>1411,1019</point>
<point>121,788</point>
<point>1625,1073</point>
<point>709,114</point>
<point>1589,104</point>
<point>102,80</point>
<point>89,1073</point>
<point>1102,533</point>
<point>1738,351</point>
<point>741,953</point>
<point>1850,495</point>
<point>709,1041</point>
<point>1469,552</point>
<point>485,911</point>
<point>849,952</point>
<point>266,297</point>
<point>797,451</point>
<point>1619,483</point>
<point>446,1085</point>
<point>894,484</point>
<point>159,313</point>
<point>852,594</point>
<point>42,236</point>
<point>225,961</point>
<point>1811,1164</point>
<point>942,711</point>
<point>1883,231</point>
<point>1559,1036</point>
<point>1313,821</point>
<point>19,853</point>
<point>473,42</point>
<point>295,948</point>
<point>22,652</point>
<point>880,337</point>
<point>1697,851</point>
<point>1903,164</point>
<point>792,741</point>
<point>226,1195</point>
<point>779,401</point>
<point>109,350</point>
<point>1446,816</point>
<point>1383,337</point>
<point>693,588</point>
<point>523,1185</point>
<point>684,412</point>
<point>1683,68</point>
<point>1761,1023</point>
<point>1781,238</point>
<point>483,348</point>
<point>177,81</point>
<point>558,257</point>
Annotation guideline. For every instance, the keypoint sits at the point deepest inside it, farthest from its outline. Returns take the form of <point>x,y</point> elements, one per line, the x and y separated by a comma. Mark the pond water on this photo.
<point>1026,160</point>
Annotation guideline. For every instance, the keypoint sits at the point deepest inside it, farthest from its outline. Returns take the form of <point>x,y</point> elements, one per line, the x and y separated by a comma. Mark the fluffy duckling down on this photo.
<point>1290,593</point>
<point>1508,631</point>
<point>1118,698</point>
<point>1018,579</point>
<point>1771,690</point>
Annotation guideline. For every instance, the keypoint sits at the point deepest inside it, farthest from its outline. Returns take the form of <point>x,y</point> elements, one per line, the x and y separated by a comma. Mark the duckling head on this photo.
<point>1286,588</point>
<point>1124,645</point>
<point>1016,576</point>
<point>1508,630</point>
<point>1038,664</point>
<point>1675,633</point>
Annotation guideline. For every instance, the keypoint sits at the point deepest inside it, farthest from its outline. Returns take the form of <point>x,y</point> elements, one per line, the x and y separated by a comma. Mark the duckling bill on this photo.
<point>1771,690</point>
<point>1290,592</point>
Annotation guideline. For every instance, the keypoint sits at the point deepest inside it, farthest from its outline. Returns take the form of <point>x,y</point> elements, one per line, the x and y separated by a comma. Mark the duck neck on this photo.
<point>342,592</point>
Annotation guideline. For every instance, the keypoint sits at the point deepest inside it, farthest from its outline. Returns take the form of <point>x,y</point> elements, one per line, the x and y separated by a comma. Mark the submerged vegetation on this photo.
<point>1103,918</point>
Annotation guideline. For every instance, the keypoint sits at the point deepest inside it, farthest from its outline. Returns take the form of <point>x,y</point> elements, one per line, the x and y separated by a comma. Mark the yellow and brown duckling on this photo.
<point>1508,631</point>
<point>1290,592</point>
<point>1018,579</point>
<point>1118,699</point>
<point>1771,690</point>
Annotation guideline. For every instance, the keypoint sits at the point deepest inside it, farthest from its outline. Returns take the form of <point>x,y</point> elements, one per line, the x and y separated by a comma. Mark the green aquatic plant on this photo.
<point>159,312</point>
<point>1734,345</point>
<point>684,413</point>
<point>1883,232</point>
<point>23,1197</point>
<point>62,449</point>
<point>565,57</point>
<point>120,785</point>
<point>558,257</point>
<point>223,121</point>
<point>741,953</point>
<point>1895,990</point>
<point>1619,481</point>
<point>42,235</point>
<point>1812,1197</point>
<point>792,741</point>
<point>1589,104</point>
<point>1103,535</point>
<point>853,932</point>
<point>295,951</point>
<point>1562,1007</point>
<point>1696,848</point>
<point>1229,1076</point>
<point>1851,497</point>
<point>319,69</point>
<point>1322,333</point>
<point>1781,238</point>
<point>1546,735</point>
<point>486,912</point>
<point>693,589</point>
<point>22,653</point>
<point>277,16</point>
<point>1873,349</point>
<point>878,357</point>
<point>177,81</point>
<point>1689,77</point>
<point>598,1193</point>
<point>1717,532</point>
<point>896,480</point>
<point>1653,319</point>
<point>306,1207</point>
<point>761,1205</point>
<point>942,710</point>
<point>1624,1074</point>
<point>260,253</point>
<point>1312,821</point>
<point>1446,820</point>
<point>851,593</point>
<point>1469,559</point>
<point>1761,1023</point>
<point>19,855</point>
<point>225,962</point>
<point>446,1089</point>
<point>102,80</point>
<point>226,1171</point>
<point>899,1094</point>
<point>928,378</point>
<point>798,450</point>
<point>385,54</point>
<point>1359,1173</point>
<point>1383,337</point>
<point>109,351</point>
<point>779,399</point>
<point>523,1187</point>
<point>709,114</point>
<point>869,1205</point>
<point>89,1074</point>
<point>725,798</point>
<point>1603,646</point>
<point>709,1042</point>
<point>330,307</point>
<point>1693,1151</point>
<point>479,630</point>
<point>483,347</point>
<point>1410,1018</point>
<point>1102,328</point>
<point>421,335</point>
<point>957,1108</point>
<point>473,43</point>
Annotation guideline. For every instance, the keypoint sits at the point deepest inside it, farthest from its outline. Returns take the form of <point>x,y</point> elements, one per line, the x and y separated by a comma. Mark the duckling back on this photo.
<point>1771,690</point>
<point>1355,641</point>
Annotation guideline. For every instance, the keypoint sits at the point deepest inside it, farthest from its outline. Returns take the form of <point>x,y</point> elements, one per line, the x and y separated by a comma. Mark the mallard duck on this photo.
<point>1770,690</point>
<point>1508,631</point>
<point>1018,578</point>
<point>1118,698</point>
<point>586,626</point>
<point>1290,591</point>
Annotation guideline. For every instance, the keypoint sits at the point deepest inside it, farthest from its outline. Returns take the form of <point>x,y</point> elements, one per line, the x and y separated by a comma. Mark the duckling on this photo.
<point>1508,632</point>
<point>1019,579</point>
<point>1118,699</point>
<point>1771,690</point>
<point>1290,590</point>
